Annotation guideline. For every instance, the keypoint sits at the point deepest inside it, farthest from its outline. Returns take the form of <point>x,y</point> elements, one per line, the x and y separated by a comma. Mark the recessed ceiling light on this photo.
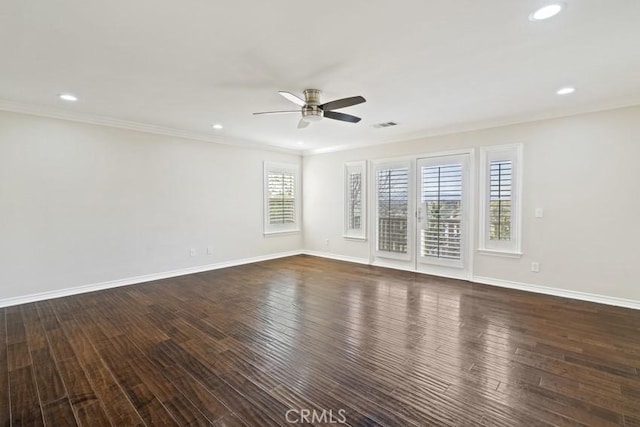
<point>216,126</point>
<point>547,12</point>
<point>566,90</point>
<point>67,97</point>
<point>300,142</point>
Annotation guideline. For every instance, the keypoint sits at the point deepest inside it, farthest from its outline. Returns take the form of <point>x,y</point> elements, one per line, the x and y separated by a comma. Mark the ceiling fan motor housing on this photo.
<point>311,111</point>
<point>312,96</point>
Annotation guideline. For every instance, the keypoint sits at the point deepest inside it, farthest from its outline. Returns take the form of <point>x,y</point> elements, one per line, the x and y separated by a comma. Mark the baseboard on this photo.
<point>564,293</point>
<point>427,273</point>
<point>393,266</point>
<point>138,279</point>
<point>582,296</point>
<point>365,261</point>
<point>337,257</point>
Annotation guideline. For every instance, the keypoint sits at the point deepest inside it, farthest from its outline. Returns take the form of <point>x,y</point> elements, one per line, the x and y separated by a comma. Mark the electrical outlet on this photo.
<point>326,242</point>
<point>209,250</point>
<point>193,251</point>
<point>539,212</point>
<point>535,267</point>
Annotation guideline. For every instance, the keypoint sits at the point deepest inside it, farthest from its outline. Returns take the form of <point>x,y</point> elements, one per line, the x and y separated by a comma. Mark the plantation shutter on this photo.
<point>392,187</point>
<point>500,200</point>
<point>281,197</point>
<point>441,236</point>
<point>354,200</point>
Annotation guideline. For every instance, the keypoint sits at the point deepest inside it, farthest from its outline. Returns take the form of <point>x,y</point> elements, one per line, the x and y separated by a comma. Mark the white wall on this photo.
<point>82,204</point>
<point>583,170</point>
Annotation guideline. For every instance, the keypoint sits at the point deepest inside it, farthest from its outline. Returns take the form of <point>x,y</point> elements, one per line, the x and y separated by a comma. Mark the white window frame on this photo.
<point>512,247</point>
<point>350,168</point>
<point>270,229</point>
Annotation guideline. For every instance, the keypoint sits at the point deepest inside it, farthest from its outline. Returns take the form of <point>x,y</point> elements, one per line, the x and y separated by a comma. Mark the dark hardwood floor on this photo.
<point>243,345</point>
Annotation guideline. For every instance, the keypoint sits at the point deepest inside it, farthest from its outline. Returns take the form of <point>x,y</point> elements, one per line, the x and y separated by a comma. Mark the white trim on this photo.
<point>473,191</point>
<point>538,289</point>
<point>479,126</point>
<point>289,168</point>
<point>139,279</point>
<point>444,274</point>
<point>336,257</point>
<point>513,153</point>
<point>277,233</point>
<point>413,157</point>
<point>503,254</point>
<point>557,292</point>
<point>56,113</point>
<point>388,263</point>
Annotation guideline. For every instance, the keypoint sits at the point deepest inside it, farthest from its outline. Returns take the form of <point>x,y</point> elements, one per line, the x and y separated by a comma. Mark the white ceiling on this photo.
<point>432,66</point>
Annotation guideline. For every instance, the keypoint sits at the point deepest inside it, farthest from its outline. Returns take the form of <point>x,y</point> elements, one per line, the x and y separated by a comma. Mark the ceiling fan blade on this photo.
<point>303,124</point>
<point>342,103</point>
<point>293,98</point>
<point>341,116</point>
<point>277,112</point>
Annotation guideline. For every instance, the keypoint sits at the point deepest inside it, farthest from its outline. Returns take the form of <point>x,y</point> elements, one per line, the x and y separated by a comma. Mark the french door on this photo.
<point>443,215</point>
<point>422,210</point>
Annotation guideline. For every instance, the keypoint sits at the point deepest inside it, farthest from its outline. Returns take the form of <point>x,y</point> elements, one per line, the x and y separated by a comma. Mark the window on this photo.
<point>355,200</point>
<point>500,199</point>
<point>501,169</point>
<point>281,200</point>
<point>392,210</point>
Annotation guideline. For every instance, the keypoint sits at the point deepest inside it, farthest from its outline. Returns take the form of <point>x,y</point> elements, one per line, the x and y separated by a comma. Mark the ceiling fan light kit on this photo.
<point>313,111</point>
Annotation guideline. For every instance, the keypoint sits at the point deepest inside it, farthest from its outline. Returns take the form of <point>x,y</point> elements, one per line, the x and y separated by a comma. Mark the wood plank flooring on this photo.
<point>244,345</point>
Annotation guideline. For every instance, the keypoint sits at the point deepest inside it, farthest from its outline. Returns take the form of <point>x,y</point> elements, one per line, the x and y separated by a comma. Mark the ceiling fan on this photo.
<point>312,110</point>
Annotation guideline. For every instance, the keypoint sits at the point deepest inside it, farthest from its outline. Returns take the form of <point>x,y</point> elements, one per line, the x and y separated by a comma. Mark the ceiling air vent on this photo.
<point>385,125</point>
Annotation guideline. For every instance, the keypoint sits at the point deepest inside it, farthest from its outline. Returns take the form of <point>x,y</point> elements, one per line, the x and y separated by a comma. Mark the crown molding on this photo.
<point>482,125</point>
<point>56,113</point>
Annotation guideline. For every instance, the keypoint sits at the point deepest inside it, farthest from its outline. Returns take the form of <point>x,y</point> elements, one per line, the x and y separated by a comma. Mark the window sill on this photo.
<point>280,233</point>
<point>358,238</point>
<point>503,254</point>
